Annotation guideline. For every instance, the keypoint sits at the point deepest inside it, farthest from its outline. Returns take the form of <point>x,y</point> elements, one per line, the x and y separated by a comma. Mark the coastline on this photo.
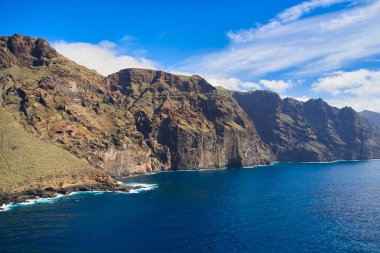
<point>247,167</point>
<point>33,196</point>
<point>29,195</point>
<point>36,197</point>
<point>333,161</point>
<point>37,200</point>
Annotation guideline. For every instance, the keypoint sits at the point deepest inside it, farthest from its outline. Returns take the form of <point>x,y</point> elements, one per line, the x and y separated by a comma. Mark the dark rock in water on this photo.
<point>50,192</point>
<point>308,131</point>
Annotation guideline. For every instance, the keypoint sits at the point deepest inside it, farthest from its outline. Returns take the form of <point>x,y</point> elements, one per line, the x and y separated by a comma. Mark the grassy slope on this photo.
<point>25,159</point>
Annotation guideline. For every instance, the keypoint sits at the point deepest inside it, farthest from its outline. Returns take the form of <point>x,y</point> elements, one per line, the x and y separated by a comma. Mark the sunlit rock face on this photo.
<point>133,121</point>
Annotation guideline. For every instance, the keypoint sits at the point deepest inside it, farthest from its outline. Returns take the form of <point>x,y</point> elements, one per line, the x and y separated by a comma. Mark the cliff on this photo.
<point>133,121</point>
<point>308,131</point>
<point>141,121</point>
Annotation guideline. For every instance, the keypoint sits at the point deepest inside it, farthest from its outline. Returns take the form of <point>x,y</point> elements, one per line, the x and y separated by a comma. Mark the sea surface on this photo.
<point>284,207</point>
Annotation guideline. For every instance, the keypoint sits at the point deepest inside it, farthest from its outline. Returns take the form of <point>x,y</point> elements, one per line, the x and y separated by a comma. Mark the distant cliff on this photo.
<point>372,117</point>
<point>308,131</point>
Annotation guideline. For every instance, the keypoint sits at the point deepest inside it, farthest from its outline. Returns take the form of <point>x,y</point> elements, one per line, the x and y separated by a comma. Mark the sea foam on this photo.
<point>39,200</point>
<point>141,187</point>
<point>7,207</point>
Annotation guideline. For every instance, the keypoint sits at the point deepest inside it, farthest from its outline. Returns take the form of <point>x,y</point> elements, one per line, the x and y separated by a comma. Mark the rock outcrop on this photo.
<point>22,51</point>
<point>308,131</point>
<point>133,121</point>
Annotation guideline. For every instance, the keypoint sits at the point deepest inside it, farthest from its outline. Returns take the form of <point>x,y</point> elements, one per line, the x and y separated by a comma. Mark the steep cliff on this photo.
<point>141,121</point>
<point>134,121</point>
<point>308,131</point>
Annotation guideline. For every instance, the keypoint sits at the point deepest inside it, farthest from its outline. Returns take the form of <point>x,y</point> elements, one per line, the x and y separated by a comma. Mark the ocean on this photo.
<point>284,207</point>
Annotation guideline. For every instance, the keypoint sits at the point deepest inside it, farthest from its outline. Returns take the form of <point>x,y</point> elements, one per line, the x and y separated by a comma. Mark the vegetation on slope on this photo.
<point>25,159</point>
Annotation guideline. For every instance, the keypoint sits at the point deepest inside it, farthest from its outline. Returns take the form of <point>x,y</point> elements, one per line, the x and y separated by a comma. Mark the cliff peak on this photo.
<point>23,51</point>
<point>129,77</point>
<point>316,101</point>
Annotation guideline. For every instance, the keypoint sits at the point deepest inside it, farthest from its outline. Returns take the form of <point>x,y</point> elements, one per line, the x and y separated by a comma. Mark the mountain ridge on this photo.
<point>138,121</point>
<point>309,131</point>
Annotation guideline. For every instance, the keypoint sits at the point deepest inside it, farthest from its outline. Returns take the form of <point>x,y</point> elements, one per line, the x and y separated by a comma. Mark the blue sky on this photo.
<point>168,30</point>
<point>303,49</point>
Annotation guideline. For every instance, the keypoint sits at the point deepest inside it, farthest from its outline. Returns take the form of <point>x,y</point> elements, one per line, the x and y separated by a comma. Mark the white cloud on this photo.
<point>359,89</point>
<point>302,98</point>
<point>349,82</point>
<point>297,44</point>
<point>277,85</point>
<point>358,103</point>
<point>232,83</point>
<point>306,7</point>
<point>104,57</point>
<point>289,15</point>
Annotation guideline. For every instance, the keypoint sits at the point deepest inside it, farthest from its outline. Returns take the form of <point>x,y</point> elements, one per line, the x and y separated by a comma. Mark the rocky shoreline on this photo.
<point>50,192</point>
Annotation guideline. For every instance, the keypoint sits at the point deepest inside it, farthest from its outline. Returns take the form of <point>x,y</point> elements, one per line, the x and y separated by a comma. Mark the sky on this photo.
<point>302,49</point>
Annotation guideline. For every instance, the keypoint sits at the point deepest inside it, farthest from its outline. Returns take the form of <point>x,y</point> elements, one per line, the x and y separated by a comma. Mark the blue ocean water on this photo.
<point>332,207</point>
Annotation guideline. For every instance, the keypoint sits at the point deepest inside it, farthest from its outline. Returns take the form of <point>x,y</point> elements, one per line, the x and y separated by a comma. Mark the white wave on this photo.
<point>39,200</point>
<point>5,207</point>
<point>50,200</point>
<point>141,187</point>
<point>12,205</point>
<point>327,162</point>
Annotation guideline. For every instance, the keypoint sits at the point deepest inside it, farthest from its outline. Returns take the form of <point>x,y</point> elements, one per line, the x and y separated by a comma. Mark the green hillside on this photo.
<point>25,159</point>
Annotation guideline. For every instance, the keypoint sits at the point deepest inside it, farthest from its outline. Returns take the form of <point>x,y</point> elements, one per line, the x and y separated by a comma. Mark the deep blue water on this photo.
<point>280,208</point>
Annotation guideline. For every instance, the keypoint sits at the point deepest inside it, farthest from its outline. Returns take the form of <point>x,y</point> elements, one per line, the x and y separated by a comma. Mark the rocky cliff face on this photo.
<point>22,51</point>
<point>134,121</point>
<point>185,122</point>
<point>139,121</point>
<point>308,131</point>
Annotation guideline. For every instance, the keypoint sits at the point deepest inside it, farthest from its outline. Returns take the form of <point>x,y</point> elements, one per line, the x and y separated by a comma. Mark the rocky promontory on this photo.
<point>31,167</point>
